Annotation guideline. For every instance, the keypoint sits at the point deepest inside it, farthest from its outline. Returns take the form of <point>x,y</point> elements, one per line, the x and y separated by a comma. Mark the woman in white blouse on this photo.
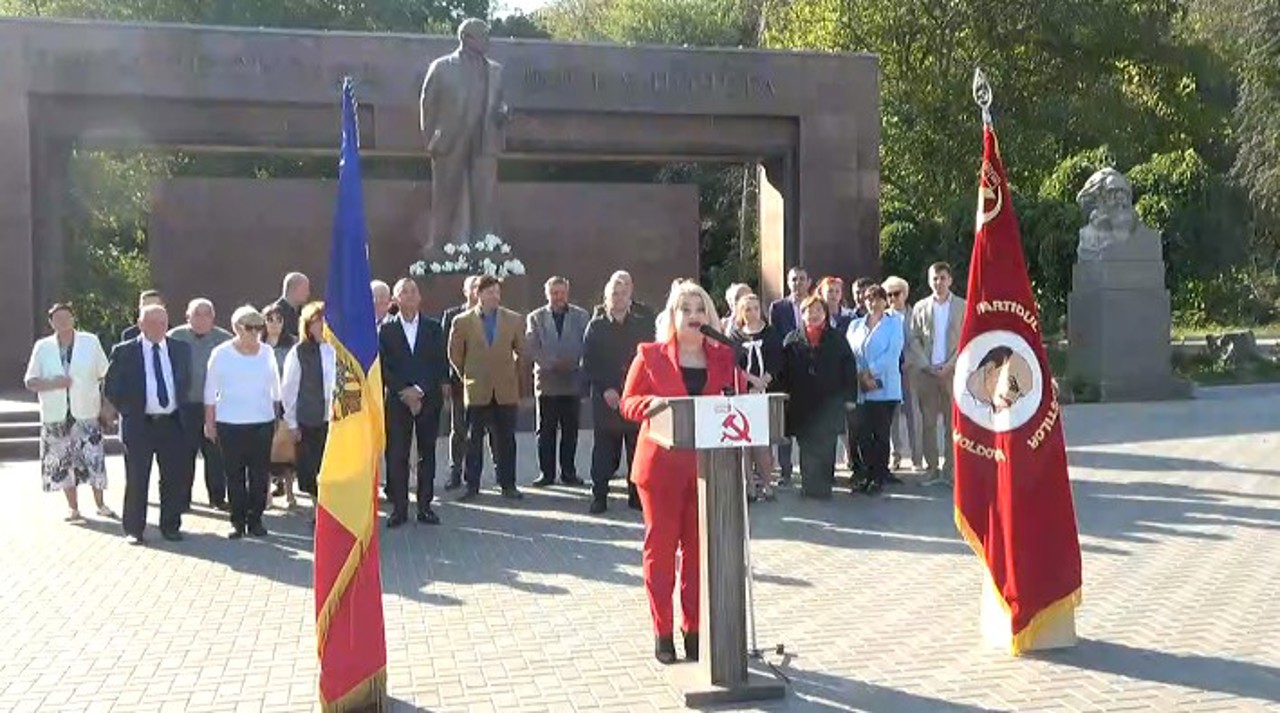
<point>65,371</point>
<point>310,372</point>
<point>240,396</point>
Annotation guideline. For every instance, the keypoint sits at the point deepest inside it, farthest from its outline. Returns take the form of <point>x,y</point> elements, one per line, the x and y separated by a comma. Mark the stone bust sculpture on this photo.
<point>1114,230</point>
<point>462,119</point>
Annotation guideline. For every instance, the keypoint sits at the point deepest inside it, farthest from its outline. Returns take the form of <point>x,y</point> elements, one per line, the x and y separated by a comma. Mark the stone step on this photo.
<point>19,448</point>
<point>20,429</point>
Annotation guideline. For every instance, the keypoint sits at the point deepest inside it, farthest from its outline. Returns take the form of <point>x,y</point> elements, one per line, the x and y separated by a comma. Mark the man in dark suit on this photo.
<point>294,293</point>
<point>457,407</point>
<point>415,372</point>
<point>145,379</point>
<point>145,299</point>
<point>784,315</point>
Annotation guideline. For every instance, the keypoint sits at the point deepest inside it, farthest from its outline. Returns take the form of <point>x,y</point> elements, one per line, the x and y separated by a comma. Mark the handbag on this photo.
<point>283,448</point>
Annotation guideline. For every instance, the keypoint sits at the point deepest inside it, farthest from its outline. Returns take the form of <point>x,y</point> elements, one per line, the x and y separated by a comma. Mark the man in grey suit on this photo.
<point>553,340</point>
<point>931,357</point>
<point>462,116</point>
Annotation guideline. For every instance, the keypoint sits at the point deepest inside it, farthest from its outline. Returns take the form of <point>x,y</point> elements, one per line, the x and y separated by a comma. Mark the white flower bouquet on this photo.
<point>487,256</point>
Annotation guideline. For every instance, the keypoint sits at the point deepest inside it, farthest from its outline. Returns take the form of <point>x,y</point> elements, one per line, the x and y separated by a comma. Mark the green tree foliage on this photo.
<point>106,238</point>
<point>363,15</point>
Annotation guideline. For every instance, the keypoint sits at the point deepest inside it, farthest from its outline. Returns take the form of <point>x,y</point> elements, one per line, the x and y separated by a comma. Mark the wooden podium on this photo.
<point>722,674</point>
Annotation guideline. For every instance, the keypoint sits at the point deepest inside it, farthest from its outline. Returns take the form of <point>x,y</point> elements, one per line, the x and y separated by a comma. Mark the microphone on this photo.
<point>714,335</point>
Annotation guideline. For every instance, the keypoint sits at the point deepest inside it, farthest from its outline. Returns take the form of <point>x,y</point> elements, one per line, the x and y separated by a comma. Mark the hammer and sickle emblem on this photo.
<point>989,190</point>
<point>735,428</point>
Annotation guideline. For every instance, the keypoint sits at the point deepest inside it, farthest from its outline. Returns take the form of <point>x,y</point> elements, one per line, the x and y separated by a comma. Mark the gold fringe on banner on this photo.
<point>368,697</point>
<point>1023,640</point>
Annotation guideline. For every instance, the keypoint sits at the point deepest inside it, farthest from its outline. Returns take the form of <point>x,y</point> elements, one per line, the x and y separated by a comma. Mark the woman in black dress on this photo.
<point>760,356</point>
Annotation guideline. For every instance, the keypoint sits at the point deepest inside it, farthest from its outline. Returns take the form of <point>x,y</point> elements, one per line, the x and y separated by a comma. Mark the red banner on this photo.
<point>1012,495</point>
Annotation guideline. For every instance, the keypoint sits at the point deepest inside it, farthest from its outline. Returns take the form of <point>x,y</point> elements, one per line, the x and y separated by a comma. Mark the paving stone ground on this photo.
<point>539,607</point>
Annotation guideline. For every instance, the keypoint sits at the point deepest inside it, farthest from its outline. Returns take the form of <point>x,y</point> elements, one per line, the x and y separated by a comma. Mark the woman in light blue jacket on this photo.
<point>876,341</point>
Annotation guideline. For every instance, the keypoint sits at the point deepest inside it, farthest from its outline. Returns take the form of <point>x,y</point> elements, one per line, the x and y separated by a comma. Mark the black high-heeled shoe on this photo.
<point>691,645</point>
<point>664,649</point>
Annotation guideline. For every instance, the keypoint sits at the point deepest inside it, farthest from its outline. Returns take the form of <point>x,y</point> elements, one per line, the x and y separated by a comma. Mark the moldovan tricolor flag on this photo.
<point>1013,498</point>
<point>349,627</point>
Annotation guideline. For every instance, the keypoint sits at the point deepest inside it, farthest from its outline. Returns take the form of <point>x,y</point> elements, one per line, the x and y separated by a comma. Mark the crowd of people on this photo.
<point>254,402</point>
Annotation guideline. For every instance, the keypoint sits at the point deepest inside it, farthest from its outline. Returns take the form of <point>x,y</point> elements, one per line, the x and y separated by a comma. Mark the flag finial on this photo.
<point>982,94</point>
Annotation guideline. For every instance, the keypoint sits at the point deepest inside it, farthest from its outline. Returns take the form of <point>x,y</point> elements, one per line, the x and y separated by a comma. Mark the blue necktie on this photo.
<point>162,389</point>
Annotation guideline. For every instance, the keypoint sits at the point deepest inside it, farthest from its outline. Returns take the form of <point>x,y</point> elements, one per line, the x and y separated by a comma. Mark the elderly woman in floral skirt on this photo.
<point>65,372</point>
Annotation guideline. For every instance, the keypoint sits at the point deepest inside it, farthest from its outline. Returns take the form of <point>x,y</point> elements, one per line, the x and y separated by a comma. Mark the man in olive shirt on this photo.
<point>201,333</point>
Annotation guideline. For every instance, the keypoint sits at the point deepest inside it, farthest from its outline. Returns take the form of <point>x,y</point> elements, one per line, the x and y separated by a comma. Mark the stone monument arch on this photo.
<point>810,120</point>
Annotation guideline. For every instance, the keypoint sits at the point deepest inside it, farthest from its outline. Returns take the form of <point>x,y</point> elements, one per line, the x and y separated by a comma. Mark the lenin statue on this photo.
<point>462,117</point>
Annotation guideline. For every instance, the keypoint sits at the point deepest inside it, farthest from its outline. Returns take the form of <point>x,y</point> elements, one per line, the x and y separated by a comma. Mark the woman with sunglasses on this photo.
<point>240,395</point>
<point>905,434</point>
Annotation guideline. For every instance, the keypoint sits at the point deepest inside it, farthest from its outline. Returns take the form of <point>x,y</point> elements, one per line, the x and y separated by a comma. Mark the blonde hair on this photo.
<point>247,316</point>
<point>740,309</point>
<point>665,325</point>
<point>894,282</point>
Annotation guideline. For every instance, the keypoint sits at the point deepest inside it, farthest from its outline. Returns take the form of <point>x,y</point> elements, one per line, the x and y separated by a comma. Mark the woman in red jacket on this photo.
<point>681,362</point>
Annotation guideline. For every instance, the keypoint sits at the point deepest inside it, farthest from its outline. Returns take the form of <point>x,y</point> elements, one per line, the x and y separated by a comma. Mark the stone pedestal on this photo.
<point>1118,325</point>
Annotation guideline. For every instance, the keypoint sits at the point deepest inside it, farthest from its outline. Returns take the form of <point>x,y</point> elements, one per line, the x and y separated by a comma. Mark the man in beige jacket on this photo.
<point>931,357</point>
<point>486,344</point>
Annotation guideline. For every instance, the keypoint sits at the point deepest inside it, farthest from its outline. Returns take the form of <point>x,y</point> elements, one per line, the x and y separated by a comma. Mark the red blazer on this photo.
<point>655,371</point>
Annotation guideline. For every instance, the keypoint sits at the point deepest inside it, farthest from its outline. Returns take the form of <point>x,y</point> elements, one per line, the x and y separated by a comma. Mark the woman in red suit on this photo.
<point>681,362</point>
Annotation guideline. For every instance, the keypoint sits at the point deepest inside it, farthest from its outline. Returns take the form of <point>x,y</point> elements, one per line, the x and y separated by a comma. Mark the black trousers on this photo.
<point>499,421</point>
<point>606,456</point>
<point>875,421</point>
<point>401,427</point>
<point>784,458</point>
<point>457,430</point>
<point>246,451</point>
<point>558,415</point>
<point>310,454</point>
<point>161,440</point>
<point>215,478</point>
<point>852,452</point>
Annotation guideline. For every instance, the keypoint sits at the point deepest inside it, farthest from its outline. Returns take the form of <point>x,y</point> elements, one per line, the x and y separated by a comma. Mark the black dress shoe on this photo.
<point>691,645</point>
<point>171,535</point>
<point>455,482</point>
<point>396,521</point>
<point>469,494</point>
<point>544,481</point>
<point>236,534</point>
<point>664,649</point>
<point>570,479</point>
<point>279,489</point>
<point>257,530</point>
<point>223,506</point>
<point>599,506</point>
<point>512,493</point>
<point>428,516</point>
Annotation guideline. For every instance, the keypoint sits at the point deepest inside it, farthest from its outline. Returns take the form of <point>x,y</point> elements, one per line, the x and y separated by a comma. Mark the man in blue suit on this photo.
<point>784,315</point>
<point>146,377</point>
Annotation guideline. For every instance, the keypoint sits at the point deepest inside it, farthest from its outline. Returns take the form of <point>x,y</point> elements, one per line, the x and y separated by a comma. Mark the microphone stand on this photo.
<point>754,651</point>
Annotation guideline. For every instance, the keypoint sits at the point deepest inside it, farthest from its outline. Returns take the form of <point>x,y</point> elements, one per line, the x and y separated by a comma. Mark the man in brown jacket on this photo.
<point>486,344</point>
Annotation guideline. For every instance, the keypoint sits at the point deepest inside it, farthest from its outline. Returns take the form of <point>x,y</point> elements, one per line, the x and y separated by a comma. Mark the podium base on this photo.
<point>701,693</point>
<point>997,630</point>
